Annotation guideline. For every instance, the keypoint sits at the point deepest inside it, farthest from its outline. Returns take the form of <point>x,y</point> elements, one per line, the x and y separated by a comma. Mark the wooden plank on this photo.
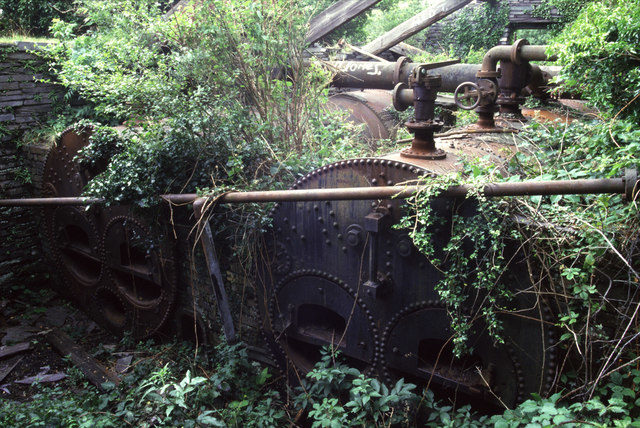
<point>414,25</point>
<point>7,351</point>
<point>407,50</point>
<point>94,371</point>
<point>7,366</point>
<point>336,15</point>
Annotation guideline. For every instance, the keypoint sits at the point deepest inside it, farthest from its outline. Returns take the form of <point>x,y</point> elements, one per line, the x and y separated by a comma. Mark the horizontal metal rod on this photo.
<point>523,188</point>
<point>71,200</point>
<point>557,187</point>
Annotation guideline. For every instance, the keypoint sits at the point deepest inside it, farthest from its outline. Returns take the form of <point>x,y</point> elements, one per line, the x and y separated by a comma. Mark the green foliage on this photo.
<point>205,94</point>
<point>473,29</point>
<point>362,401</point>
<point>472,261</point>
<point>156,394</point>
<point>616,405</point>
<point>600,58</point>
<point>389,14</point>
<point>32,17</point>
<point>567,11</point>
<point>372,23</point>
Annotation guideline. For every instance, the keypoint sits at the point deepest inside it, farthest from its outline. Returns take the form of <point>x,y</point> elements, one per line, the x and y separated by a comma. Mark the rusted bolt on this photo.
<point>404,248</point>
<point>354,237</point>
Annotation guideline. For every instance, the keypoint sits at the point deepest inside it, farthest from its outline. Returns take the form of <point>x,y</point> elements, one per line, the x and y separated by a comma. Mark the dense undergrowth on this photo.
<point>220,98</point>
<point>171,385</point>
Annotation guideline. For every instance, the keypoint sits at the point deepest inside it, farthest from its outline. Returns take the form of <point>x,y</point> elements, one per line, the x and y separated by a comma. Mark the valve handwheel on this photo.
<point>467,96</point>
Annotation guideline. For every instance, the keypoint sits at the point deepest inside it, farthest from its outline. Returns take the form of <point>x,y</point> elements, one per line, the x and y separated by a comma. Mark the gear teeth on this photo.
<point>150,316</point>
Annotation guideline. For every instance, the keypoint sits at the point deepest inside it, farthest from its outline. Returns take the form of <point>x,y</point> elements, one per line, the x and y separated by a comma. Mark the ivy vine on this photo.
<point>472,261</point>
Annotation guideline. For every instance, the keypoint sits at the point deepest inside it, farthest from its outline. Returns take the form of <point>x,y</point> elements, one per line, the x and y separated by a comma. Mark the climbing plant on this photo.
<point>472,260</point>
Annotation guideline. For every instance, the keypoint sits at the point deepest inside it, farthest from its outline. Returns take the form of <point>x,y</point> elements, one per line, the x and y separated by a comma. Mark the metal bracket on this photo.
<point>215,275</point>
<point>376,285</point>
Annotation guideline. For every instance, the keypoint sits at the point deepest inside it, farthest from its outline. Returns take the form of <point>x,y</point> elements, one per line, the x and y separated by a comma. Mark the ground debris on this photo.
<point>92,369</point>
<point>7,351</point>
<point>19,333</point>
<point>123,364</point>
<point>42,377</point>
<point>7,366</point>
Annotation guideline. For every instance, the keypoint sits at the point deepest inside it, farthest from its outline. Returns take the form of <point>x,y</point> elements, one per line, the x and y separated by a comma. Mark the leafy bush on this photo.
<point>32,17</point>
<point>475,28</point>
<point>218,96</point>
<point>335,394</point>
<point>600,57</point>
<point>616,405</point>
<point>567,10</point>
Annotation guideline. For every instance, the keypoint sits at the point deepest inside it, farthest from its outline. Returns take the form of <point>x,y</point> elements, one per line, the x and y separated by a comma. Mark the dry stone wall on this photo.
<point>26,102</point>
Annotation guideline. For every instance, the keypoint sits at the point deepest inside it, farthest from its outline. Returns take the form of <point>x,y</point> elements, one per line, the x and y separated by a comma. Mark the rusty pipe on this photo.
<point>377,75</point>
<point>372,75</point>
<point>525,188</point>
<point>518,52</point>
<point>28,202</point>
<point>626,185</point>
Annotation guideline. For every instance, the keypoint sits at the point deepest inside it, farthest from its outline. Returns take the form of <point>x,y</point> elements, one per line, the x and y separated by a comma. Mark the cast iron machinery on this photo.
<point>336,272</point>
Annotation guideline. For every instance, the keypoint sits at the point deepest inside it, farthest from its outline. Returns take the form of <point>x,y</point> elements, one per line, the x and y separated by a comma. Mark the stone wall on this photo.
<point>25,105</point>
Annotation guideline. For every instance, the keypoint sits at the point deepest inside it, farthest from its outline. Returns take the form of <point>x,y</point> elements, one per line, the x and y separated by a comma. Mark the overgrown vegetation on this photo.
<point>475,29</point>
<point>220,97</point>
<point>33,17</point>
<point>473,260</point>
<point>600,58</point>
<point>216,96</point>
<point>581,250</point>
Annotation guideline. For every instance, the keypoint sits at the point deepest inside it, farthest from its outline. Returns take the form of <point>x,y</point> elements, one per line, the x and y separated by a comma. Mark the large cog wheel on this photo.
<point>332,240</point>
<point>425,355</point>
<point>141,271</point>
<point>75,247</point>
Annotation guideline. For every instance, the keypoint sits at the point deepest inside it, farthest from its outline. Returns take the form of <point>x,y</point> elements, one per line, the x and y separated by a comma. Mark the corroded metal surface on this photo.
<point>141,271</point>
<point>338,274</point>
<point>76,248</point>
<point>368,107</point>
<point>109,263</point>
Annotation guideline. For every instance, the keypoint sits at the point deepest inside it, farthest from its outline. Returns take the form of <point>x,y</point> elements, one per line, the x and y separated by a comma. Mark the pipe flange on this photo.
<point>398,69</point>
<point>395,96</point>
<point>516,49</point>
<point>489,74</point>
<point>631,184</point>
<point>437,154</point>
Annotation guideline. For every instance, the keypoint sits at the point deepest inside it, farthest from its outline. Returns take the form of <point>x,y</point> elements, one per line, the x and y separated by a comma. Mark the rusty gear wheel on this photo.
<point>141,271</point>
<point>75,247</point>
<point>109,309</point>
<point>424,355</point>
<point>60,178</point>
